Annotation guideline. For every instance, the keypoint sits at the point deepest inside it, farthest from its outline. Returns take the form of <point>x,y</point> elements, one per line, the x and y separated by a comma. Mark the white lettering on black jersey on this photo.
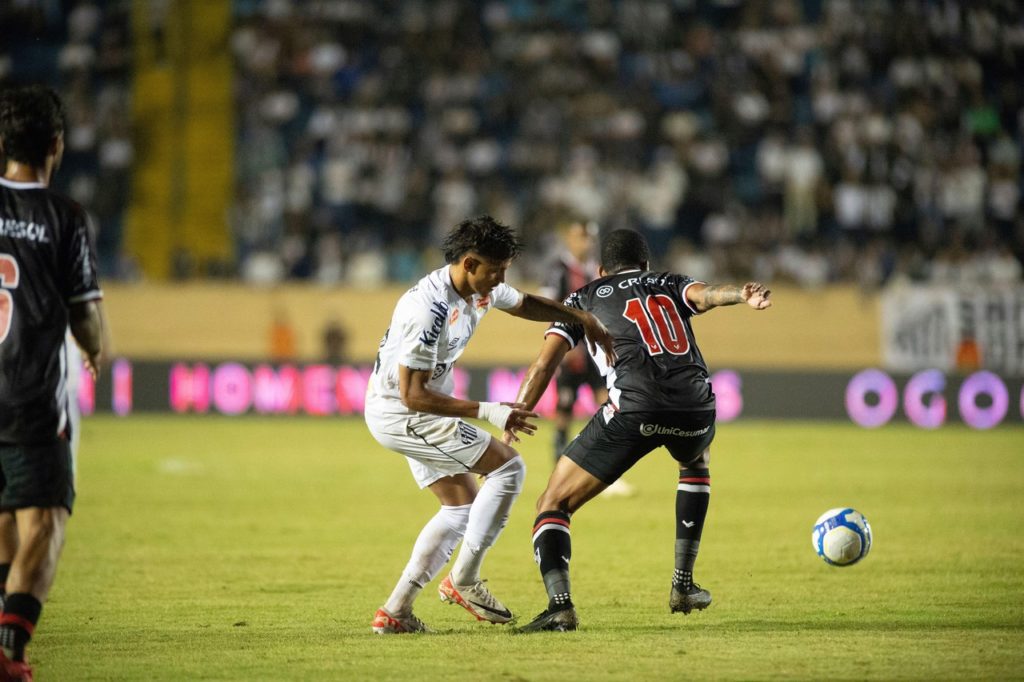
<point>47,262</point>
<point>659,365</point>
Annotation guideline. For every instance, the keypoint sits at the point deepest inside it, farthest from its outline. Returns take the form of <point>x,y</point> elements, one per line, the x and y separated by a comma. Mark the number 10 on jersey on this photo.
<point>660,324</point>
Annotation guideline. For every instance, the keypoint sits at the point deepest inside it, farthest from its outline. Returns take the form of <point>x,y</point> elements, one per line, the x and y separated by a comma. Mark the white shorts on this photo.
<point>434,446</point>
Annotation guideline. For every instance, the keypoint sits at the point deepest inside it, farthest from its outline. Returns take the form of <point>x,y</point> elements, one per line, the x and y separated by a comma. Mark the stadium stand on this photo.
<point>806,141</point>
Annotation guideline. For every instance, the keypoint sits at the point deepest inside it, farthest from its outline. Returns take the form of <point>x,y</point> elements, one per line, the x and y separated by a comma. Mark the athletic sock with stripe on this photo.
<point>552,549</point>
<point>692,497</point>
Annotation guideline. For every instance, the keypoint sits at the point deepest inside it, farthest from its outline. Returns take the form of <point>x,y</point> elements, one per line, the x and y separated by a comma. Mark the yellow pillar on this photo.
<point>183,114</point>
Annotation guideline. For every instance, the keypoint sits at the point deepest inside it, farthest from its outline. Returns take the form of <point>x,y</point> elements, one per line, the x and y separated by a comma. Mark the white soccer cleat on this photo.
<point>386,623</point>
<point>476,599</point>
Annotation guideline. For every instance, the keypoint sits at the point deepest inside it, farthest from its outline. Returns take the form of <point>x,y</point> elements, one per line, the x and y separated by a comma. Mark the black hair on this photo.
<point>624,249</point>
<point>482,235</point>
<point>30,118</point>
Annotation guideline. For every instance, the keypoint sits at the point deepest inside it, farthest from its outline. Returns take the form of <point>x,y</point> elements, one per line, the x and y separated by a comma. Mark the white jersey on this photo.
<point>429,330</point>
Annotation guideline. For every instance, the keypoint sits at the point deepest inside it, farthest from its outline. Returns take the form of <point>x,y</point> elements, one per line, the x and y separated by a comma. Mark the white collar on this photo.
<point>21,185</point>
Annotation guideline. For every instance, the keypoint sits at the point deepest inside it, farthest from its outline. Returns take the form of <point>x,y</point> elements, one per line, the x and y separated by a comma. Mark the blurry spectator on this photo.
<point>335,342</point>
<point>282,344</point>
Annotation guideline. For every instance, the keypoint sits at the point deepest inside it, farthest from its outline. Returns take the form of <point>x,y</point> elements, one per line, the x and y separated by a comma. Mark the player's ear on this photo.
<point>601,271</point>
<point>470,264</point>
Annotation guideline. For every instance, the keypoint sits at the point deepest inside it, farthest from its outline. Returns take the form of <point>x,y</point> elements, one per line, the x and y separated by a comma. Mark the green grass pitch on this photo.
<point>258,549</point>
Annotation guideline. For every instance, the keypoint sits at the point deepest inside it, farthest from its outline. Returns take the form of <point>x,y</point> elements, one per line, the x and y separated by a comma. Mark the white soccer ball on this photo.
<point>841,536</point>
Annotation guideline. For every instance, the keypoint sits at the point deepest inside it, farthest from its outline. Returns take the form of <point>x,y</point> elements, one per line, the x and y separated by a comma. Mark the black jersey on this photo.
<point>659,366</point>
<point>47,262</point>
<point>565,276</point>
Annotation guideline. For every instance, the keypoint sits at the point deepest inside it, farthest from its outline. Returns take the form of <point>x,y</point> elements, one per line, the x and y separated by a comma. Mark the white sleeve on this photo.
<point>505,297</point>
<point>417,346</point>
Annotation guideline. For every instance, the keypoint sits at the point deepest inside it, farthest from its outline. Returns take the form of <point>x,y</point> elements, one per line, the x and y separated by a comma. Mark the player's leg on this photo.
<point>8,547</point>
<point>440,451</point>
<point>608,446</point>
<point>693,494</point>
<point>568,489</point>
<point>431,551</point>
<point>566,386</point>
<point>505,472</point>
<point>40,489</point>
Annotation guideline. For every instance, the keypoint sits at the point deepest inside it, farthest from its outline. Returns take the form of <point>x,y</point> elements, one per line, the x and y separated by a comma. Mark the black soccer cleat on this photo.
<point>687,599</point>
<point>562,620</point>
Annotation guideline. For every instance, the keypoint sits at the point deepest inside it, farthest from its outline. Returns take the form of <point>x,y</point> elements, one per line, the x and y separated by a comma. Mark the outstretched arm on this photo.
<point>542,309</point>
<point>538,376</point>
<point>704,297</point>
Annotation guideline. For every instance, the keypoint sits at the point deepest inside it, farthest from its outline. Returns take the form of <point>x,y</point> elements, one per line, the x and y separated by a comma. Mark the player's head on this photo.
<point>624,250</point>
<point>480,250</point>
<point>483,236</point>
<point>579,237</point>
<point>31,125</point>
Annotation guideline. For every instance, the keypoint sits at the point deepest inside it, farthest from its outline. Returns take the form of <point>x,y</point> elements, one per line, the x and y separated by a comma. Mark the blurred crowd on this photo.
<point>83,49</point>
<point>812,141</point>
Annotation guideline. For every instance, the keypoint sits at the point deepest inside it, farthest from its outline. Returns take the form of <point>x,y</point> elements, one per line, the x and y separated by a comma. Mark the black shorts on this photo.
<point>569,382</point>
<point>608,448</point>
<point>37,475</point>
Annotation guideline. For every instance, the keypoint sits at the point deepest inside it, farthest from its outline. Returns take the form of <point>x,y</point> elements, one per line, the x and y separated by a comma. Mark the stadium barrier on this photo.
<point>871,397</point>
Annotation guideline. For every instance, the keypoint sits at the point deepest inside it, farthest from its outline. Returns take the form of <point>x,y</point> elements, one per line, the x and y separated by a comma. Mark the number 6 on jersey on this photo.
<point>9,276</point>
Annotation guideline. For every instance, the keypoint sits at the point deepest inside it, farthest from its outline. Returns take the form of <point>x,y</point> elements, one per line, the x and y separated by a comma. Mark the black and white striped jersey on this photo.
<point>659,365</point>
<point>47,263</point>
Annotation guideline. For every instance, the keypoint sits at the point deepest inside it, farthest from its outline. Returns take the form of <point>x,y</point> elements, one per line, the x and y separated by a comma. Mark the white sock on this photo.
<point>487,516</point>
<point>433,548</point>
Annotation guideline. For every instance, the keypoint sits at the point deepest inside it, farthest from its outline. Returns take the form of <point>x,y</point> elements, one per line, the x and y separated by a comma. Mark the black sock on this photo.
<point>5,569</point>
<point>18,622</point>
<point>692,497</point>
<point>552,549</point>
<point>561,439</point>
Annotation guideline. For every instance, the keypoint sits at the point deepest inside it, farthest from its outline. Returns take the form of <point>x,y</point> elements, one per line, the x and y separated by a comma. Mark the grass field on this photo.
<point>258,549</point>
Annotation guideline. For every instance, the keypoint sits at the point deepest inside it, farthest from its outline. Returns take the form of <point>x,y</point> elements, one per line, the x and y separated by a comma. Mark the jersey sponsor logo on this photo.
<point>658,429</point>
<point>650,279</point>
<point>467,433</point>
<point>428,337</point>
<point>22,229</point>
<point>454,343</point>
<point>605,291</point>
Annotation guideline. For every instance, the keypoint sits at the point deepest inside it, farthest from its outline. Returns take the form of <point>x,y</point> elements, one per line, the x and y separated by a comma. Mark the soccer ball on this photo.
<point>841,536</point>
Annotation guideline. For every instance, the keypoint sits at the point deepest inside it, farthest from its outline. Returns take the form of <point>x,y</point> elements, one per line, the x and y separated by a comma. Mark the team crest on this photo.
<point>455,316</point>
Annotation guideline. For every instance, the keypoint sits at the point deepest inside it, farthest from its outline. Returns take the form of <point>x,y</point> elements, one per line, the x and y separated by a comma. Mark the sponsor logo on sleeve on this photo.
<point>605,291</point>
<point>439,309</point>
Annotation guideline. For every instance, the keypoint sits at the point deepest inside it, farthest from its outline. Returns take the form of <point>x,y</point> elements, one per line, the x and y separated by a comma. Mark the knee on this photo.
<point>456,518</point>
<point>512,473</point>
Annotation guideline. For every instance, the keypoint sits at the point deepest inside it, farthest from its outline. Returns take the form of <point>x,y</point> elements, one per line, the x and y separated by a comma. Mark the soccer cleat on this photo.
<point>384,623</point>
<point>14,671</point>
<point>476,599</point>
<point>562,620</point>
<point>687,599</point>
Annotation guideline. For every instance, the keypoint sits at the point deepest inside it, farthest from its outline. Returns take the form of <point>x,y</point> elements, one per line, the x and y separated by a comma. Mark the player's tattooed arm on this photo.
<point>707,296</point>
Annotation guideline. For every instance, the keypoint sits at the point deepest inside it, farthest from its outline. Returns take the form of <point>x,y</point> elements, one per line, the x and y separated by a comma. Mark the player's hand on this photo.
<point>518,421</point>
<point>756,295</point>
<point>597,335</point>
<point>92,365</point>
